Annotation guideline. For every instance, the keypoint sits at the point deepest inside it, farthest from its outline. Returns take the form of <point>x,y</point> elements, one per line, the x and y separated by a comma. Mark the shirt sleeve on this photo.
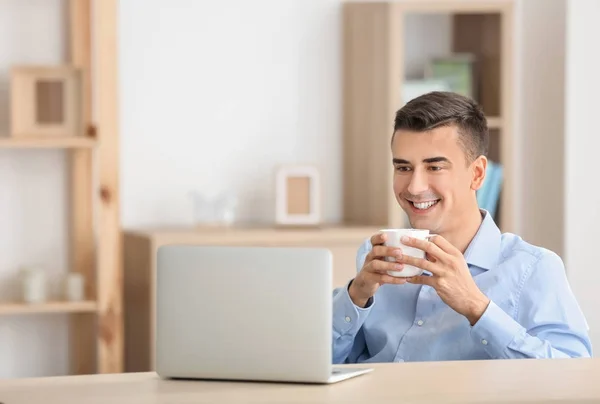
<point>348,318</point>
<point>548,322</point>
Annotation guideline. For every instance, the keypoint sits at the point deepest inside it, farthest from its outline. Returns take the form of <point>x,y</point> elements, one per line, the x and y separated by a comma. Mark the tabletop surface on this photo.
<point>497,381</point>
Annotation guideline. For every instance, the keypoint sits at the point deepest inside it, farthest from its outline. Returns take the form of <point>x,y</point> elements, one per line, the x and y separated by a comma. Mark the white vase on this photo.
<point>34,285</point>
<point>74,287</point>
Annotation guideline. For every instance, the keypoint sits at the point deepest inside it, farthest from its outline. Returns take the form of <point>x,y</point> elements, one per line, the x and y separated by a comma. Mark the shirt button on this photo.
<point>420,322</point>
<point>484,341</point>
<point>348,319</point>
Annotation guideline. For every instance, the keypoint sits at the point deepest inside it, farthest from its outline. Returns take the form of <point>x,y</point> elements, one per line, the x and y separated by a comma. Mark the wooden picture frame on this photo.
<point>298,196</point>
<point>46,101</point>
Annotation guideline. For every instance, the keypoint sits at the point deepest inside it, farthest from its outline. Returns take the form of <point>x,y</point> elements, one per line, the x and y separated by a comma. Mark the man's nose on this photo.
<point>418,183</point>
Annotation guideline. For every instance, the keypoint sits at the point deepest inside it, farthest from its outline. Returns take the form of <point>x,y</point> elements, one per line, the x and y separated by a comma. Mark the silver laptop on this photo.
<point>246,313</point>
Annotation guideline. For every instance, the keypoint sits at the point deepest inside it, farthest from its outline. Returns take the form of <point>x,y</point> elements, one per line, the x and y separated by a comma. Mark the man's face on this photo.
<point>433,182</point>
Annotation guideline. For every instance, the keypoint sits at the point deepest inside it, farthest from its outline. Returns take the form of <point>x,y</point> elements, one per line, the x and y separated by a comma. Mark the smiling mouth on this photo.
<point>422,206</point>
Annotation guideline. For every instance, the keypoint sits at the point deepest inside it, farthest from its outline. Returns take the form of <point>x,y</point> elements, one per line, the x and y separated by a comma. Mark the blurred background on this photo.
<point>143,122</point>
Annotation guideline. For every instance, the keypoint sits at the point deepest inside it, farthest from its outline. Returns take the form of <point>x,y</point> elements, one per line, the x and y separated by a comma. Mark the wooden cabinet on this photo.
<point>140,249</point>
<point>379,56</point>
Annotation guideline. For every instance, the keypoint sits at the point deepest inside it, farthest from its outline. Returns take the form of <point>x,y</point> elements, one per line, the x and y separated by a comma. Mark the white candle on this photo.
<point>74,287</point>
<point>34,285</point>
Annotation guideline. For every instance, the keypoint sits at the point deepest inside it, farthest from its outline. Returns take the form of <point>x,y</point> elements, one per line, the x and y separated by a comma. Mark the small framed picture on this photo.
<point>45,101</point>
<point>298,196</point>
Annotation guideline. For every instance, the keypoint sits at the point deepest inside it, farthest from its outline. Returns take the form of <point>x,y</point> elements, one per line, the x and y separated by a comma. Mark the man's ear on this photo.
<point>478,169</point>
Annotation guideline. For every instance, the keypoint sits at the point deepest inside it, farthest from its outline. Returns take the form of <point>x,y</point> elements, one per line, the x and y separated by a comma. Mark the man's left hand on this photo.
<point>451,277</point>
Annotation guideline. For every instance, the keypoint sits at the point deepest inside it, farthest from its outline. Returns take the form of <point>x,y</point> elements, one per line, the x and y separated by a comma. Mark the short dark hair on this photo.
<point>439,108</point>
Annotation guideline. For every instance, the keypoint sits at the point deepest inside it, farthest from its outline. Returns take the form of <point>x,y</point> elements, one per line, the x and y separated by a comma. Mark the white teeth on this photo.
<point>424,205</point>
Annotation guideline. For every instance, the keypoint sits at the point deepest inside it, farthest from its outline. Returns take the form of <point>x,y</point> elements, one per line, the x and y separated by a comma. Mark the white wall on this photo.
<point>32,198</point>
<point>582,142</point>
<point>216,94</point>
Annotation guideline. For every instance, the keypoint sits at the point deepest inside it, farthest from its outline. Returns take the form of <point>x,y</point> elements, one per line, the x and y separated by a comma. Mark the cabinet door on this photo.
<point>344,263</point>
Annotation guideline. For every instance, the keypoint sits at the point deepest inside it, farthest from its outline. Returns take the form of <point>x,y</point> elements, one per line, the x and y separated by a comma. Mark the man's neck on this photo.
<point>465,231</point>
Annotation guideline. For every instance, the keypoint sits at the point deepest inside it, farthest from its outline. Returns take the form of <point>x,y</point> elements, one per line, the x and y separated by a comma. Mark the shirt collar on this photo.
<point>484,249</point>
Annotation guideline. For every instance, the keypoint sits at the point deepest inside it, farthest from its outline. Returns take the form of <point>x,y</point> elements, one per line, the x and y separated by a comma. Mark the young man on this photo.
<point>489,295</point>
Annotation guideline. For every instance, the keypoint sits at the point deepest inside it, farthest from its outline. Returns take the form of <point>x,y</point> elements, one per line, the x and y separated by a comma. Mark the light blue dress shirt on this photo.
<point>532,313</point>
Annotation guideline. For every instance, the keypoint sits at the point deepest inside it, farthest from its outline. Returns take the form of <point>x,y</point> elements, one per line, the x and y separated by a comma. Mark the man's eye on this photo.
<point>402,169</point>
<point>435,168</point>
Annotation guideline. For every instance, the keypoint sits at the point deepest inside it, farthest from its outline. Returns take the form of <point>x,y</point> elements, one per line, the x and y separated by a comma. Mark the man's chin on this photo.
<point>421,222</point>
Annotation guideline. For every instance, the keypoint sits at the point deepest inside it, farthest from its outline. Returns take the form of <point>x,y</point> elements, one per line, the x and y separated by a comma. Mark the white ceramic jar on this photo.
<point>34,285</point>
<point>74,287</point>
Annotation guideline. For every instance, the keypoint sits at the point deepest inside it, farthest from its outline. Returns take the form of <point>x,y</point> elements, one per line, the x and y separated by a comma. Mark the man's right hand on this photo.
<point>374,271</point>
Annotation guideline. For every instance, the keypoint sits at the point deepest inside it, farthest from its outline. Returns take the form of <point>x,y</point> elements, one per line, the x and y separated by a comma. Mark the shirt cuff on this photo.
<point>495,330</point>
<point>348,317</point>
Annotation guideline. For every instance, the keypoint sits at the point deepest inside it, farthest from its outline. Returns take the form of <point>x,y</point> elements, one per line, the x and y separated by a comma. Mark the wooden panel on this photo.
<point>494,122</point>
<point>258,236</point>
<point>49,307</point>
<point>495,145</point>
<point>396,75</point>
<point>490,37</point>
<point>110,266</point>
<point>138,265</point>
<point>508,201</point>
<point>83,329</point>
<point>479,34</point>
<point>368,117</point>
<point>454,6</point>
<point>31,142</point>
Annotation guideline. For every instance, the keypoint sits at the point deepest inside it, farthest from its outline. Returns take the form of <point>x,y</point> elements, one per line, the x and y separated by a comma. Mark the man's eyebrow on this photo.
<point>436,160</point>
<point>439,159</point>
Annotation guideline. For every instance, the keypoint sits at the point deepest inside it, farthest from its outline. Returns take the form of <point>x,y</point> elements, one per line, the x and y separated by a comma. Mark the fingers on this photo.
<point>429,247</point>
<point>421,263</point>
<point>385,278</point>
<point>422,280</point>
<point>378,239</point>
<point>381,251</point>
<point>444,245</point>
<point>381,267</point>
<point>394,280</point>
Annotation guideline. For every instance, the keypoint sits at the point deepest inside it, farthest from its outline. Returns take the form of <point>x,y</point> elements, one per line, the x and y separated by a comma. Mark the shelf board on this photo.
<point>7,142</point>
<point>494,122</point>
<point>49,307</point>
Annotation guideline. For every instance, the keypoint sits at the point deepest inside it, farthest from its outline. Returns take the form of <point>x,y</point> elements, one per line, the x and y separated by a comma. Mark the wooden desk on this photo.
<point>514,381</point>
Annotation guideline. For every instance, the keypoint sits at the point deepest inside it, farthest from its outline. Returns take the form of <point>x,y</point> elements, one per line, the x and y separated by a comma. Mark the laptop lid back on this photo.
<point>245,313</point>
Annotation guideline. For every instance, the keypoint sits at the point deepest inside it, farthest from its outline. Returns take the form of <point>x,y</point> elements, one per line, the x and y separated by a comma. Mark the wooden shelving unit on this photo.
<point>48,307</point>
<point>96,324</point>
<point>47,143</point>
<point>375,53</point>
<point>494,122</point>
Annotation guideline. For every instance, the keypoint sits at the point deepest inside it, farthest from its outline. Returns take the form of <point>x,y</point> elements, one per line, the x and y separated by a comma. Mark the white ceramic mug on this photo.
<point>393,237</point>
